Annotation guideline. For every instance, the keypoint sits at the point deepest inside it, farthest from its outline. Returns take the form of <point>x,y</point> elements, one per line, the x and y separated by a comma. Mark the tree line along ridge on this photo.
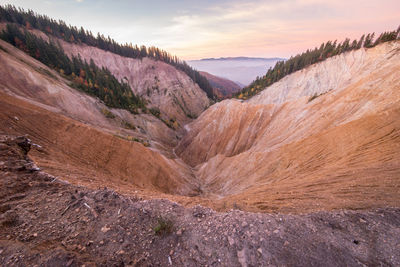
<point>72,34</point>
<point>326,50</point>
<point>87,77</point>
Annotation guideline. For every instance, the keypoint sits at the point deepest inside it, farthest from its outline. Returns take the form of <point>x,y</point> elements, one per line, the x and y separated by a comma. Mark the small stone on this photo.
<point>121,252</point>
<point>169,260</point>
<point>244,224</point>
<point>171,252</point>
<point>242,257</point>
<point>105,229</point>
<point>259,250</point>
<point>35,234</point>
<point>286,243</point>
<point>362,220</point>
<point>179,232</point>
<point>276,231</point>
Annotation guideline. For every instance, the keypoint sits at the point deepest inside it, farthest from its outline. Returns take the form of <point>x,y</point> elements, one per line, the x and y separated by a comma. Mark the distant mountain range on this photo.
<point>241,70</point>
<point>239,58</point>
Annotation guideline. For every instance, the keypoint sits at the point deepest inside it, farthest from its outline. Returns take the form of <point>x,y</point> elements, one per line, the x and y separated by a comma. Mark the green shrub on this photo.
<point>107,113</point>
<point>313,97</point>
<point>155,111</point>
<point>164,226</point>
<point>128,126</point>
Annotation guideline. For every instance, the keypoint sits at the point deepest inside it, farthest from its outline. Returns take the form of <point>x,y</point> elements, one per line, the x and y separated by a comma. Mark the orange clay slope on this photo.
<point>284,151</point>
<point>277,152</point>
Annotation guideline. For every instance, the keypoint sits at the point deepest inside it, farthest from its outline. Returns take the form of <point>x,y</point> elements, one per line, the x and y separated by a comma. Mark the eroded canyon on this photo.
<point>324,138</point>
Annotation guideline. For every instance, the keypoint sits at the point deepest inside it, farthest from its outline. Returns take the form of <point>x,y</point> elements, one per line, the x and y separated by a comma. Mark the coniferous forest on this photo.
<point>72,34</point>
<point>84,76</point>
<point>301,61</point>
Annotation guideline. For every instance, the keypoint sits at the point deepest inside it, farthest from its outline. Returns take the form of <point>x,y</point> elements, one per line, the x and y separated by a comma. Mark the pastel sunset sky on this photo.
<point>204,28</point>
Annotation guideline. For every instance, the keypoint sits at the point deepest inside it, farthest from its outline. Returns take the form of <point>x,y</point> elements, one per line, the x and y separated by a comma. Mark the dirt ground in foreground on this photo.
<point>47,222</point>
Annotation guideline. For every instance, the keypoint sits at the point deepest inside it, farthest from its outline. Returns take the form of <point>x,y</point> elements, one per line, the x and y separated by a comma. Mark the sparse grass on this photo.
<point>191,116</point>
<point>107,113</point>
<point>155,112</point>
<point>313,97</point>
<point>40,69</point>
<point>164,226</point>
<point>317,95</point>
<point>133,139</point>
<point>47,72</point>
<point>128,126</point>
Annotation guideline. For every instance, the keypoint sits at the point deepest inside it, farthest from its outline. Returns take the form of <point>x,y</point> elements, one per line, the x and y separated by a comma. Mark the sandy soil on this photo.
<point>48,222</point>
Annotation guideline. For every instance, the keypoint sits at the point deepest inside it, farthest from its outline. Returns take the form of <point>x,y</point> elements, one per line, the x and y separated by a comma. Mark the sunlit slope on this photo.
<point>284,149</point>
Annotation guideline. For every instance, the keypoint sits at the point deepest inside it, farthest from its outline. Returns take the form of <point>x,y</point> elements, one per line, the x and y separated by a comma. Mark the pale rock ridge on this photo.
<point>332,74</point>
<point>286,109</point>
<point>165,87</point>
<point>281,137</point>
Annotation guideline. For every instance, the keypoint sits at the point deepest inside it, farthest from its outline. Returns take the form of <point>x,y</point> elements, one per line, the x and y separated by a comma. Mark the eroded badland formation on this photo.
<point>305,173</point>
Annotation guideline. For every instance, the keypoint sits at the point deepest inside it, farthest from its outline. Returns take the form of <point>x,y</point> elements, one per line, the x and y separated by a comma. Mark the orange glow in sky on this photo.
<point>221,28</point>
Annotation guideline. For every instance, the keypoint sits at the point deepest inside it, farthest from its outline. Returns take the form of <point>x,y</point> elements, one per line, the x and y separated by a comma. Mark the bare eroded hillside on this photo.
<point>324,137</point>
<point>283,150</point>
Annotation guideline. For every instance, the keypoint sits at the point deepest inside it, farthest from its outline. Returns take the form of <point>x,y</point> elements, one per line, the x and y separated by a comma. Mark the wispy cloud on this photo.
<point>212,28</point>
<point>278,28</point>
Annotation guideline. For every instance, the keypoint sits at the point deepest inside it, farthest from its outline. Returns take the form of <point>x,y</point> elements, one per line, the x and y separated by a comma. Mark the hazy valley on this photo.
<point>242,70</point>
